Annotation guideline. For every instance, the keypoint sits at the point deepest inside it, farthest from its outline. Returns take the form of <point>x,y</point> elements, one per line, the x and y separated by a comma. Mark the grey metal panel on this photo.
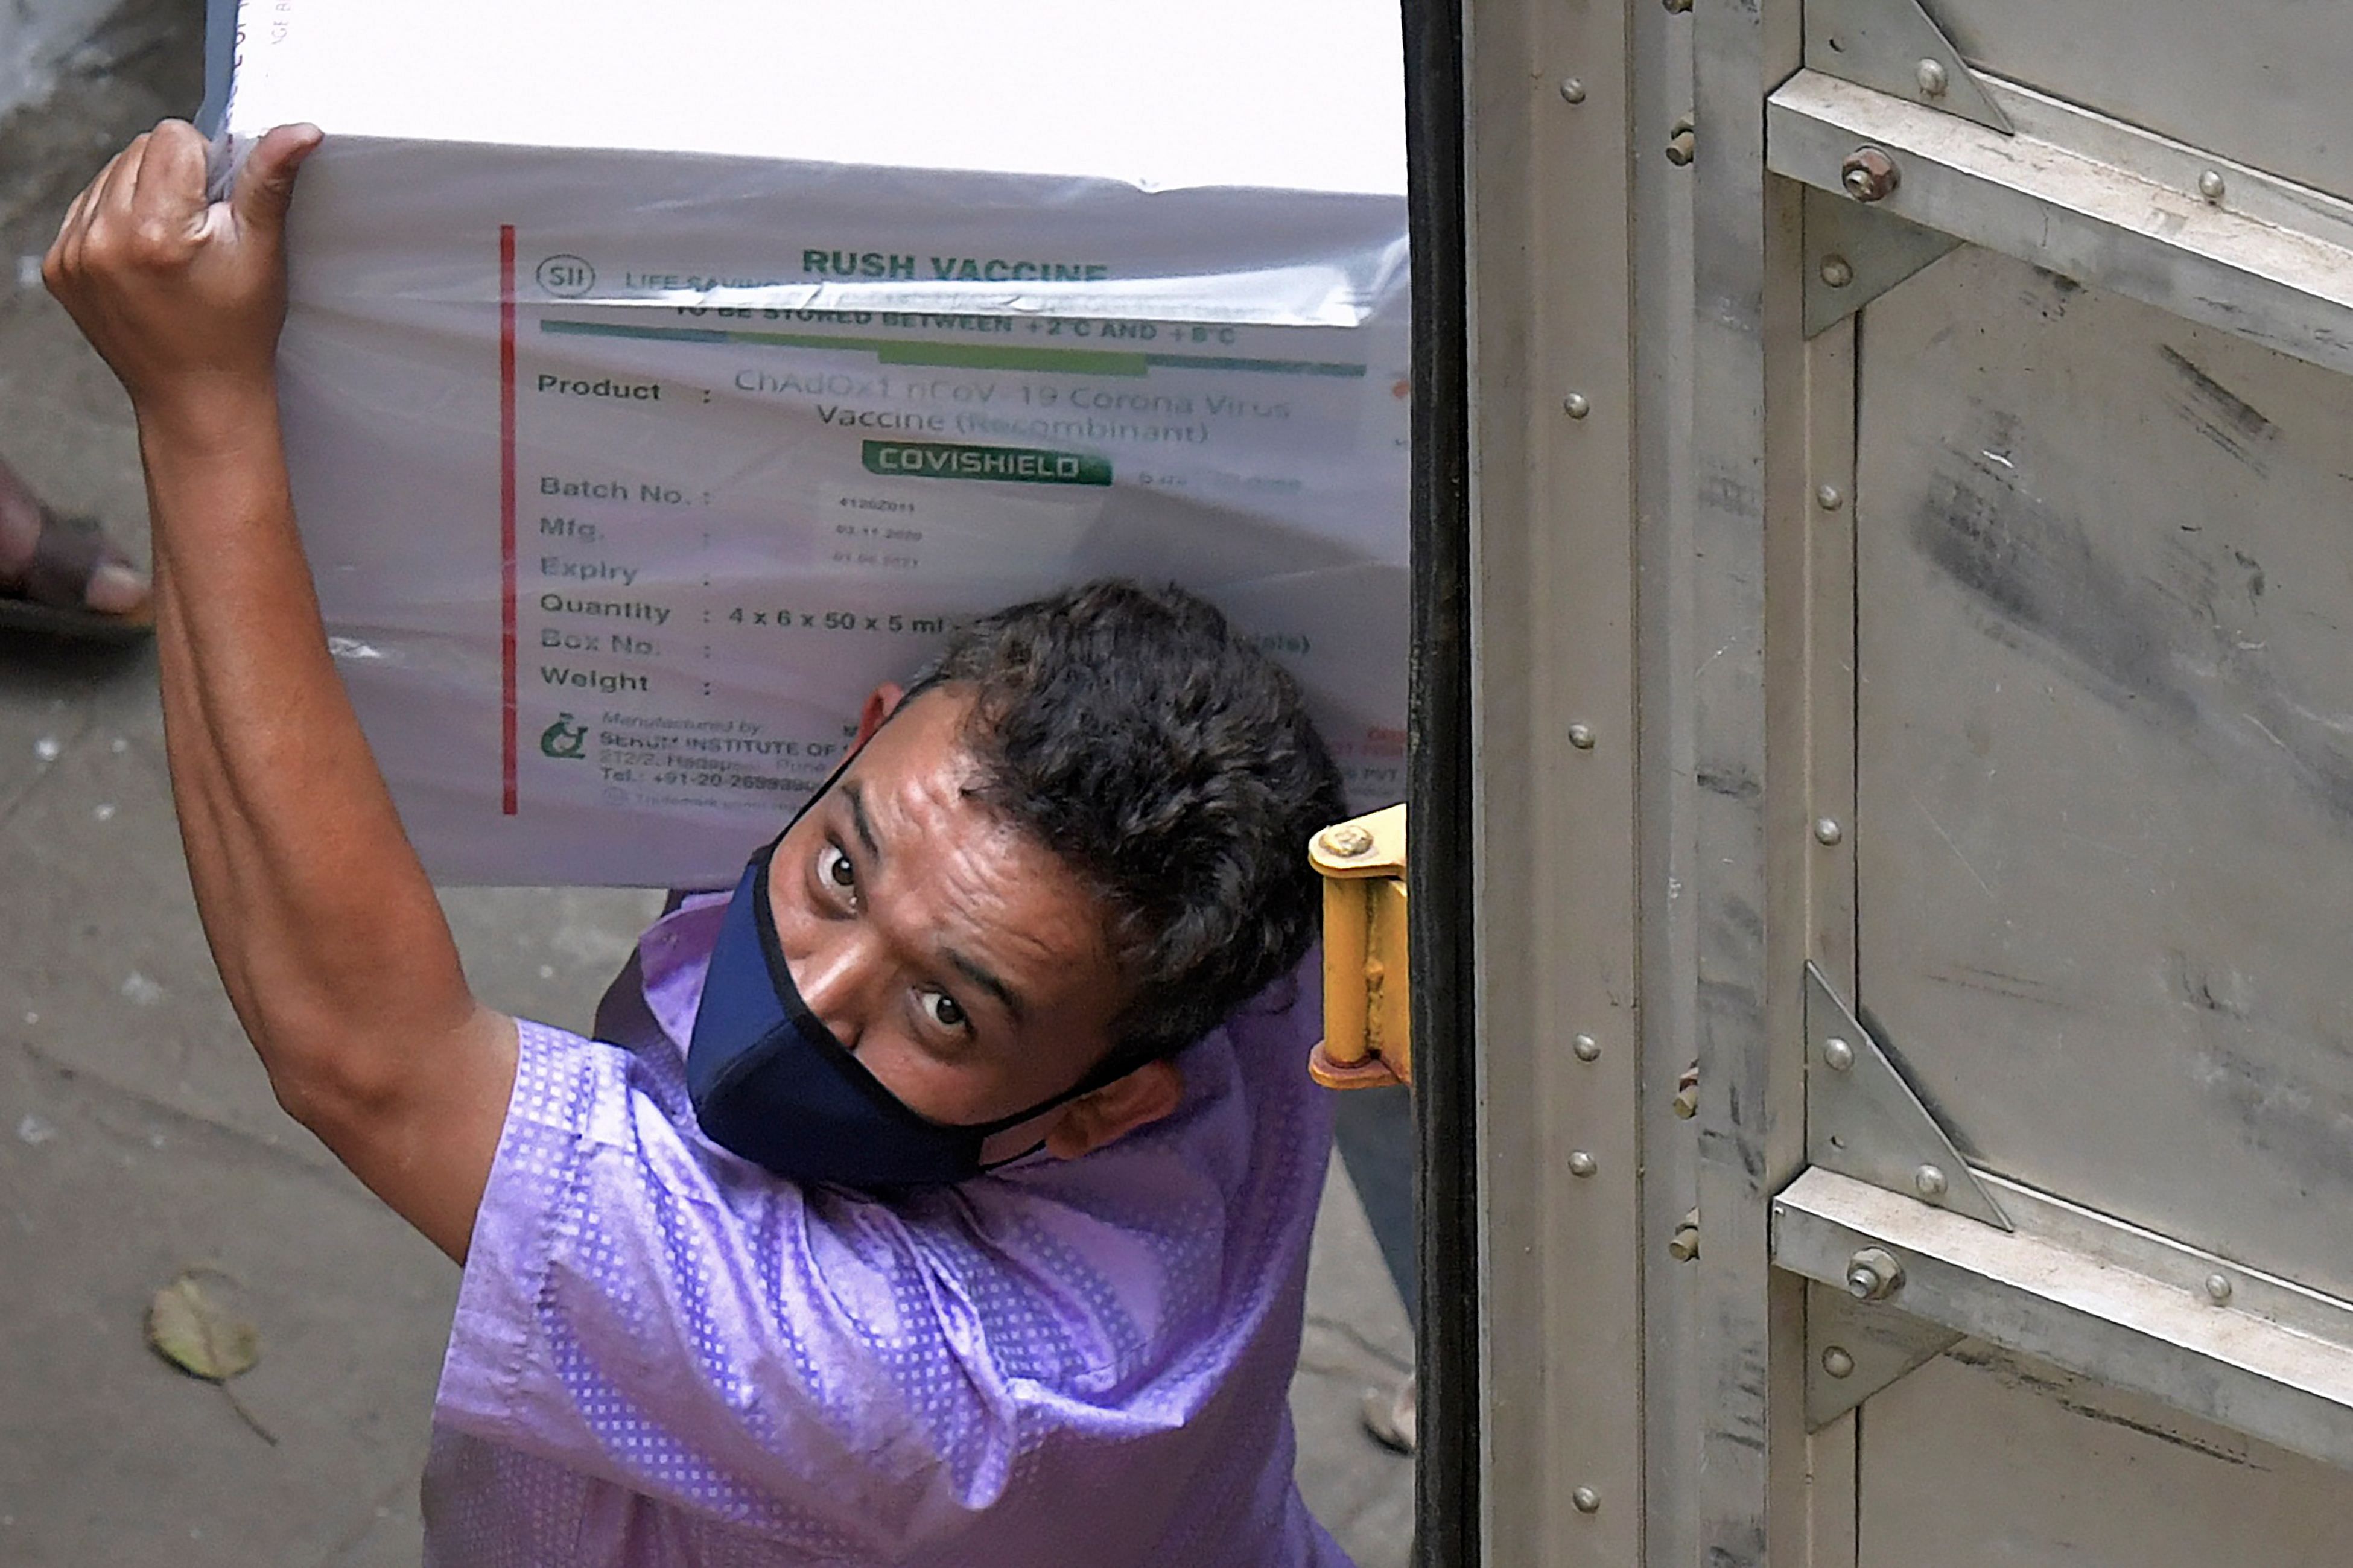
<point>2261,81</point>
<point>2105,820</point>
<point>1983,1460</point>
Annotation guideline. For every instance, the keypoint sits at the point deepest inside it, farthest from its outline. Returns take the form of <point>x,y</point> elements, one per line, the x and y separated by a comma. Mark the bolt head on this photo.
<point>1586,1047</point>
<point>1573,90</point>
<point>1586,1499</point>
<point>1830,498</point>
<point>1928,1181</point>
<point>1838,1362</point>
<point>1930,75</point>
<point>1576,406</point>
<point>1347,841</point>
<point>1873,1275</point>
<point>1837,1053</point>
<point>2218,1288</point>
<point>1580,1164</point>
<point>1869,175</point>
<point>1837,271</point>
<point>1828,830</point>
<point>1581,737</point>
<point>2210,185</point>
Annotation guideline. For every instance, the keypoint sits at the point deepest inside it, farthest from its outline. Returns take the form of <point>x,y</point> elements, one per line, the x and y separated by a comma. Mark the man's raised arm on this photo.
<point>326,932</point>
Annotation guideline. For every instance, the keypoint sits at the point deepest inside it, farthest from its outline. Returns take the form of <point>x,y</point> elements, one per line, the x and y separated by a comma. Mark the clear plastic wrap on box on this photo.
<point>627,469</point>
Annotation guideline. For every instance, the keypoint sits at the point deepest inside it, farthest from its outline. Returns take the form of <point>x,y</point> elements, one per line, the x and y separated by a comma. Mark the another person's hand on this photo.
<point>183,296</point>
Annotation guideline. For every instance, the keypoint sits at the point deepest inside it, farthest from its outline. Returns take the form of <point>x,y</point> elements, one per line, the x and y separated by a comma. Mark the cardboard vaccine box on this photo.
<point>659,380</point>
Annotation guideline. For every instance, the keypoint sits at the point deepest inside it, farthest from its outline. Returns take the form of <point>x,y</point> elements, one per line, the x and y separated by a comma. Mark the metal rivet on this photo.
<point>1573,90</point>
<point>1586,1499</point>
<point>1576,406</point>
<point>1873,1275</point>
<point>1838,1363</point>
<point>1928,1181</point>
<point>2218,1288</point>
<point>1581,737</point>
<point>1869,175</point>
<point>1828,830</point>
<point>1837,271</point>
<point>1586,1047</point>
<point>1837,1055</point>
<point>1930,75</point>
<point>1347,840</point>
<point>1830,498</point>
<point>2209,184</point>
<point>1580,1164</point>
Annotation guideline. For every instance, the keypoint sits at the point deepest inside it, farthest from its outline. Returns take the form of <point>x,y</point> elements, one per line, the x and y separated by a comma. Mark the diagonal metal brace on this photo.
<point>1855,1349</point>
<point>1898,47</point>
<point>1863,1120</point>
<point>1855,253</point>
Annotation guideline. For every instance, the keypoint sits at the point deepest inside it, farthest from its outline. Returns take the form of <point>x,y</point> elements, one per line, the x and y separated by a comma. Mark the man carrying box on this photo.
<point>944,1195</point>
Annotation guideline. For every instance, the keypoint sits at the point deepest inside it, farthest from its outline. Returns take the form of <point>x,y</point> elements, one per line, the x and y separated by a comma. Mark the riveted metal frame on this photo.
<point>1675,1394</point>
<point>1553,141</point>
<point>1811,702</point>
<point>1773,882</point>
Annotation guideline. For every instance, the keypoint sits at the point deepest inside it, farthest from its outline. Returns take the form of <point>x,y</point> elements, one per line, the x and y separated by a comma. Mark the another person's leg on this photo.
<point>61,575</point>
<point>1375,1136</point>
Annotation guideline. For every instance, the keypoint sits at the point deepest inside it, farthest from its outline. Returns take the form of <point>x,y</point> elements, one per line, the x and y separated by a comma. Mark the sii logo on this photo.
<point>566,277</point>
<point>565,738</point>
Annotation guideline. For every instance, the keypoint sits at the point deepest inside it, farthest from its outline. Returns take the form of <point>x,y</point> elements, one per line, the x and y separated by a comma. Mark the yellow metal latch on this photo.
<point>1368,1036</point>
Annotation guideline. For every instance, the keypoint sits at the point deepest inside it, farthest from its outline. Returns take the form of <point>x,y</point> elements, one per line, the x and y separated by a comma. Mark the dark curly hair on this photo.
<point>1173,766</point>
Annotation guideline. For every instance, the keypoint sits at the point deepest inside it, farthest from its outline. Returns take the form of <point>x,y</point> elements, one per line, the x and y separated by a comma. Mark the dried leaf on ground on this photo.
<point>198,1331</point>
<point>200,1335</point>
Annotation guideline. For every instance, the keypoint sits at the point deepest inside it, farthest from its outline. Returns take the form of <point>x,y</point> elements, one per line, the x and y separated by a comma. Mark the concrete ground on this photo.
<point>137,1136</point>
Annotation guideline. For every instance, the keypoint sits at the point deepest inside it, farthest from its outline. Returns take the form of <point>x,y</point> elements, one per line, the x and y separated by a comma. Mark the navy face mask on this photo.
<point>770,1082</point>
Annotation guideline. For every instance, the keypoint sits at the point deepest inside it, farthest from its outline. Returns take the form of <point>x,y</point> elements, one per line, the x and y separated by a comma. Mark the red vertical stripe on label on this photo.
<point>507,515</point>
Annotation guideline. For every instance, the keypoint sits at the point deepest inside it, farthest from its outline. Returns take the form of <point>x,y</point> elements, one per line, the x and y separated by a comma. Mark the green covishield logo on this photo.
<point>1011,464</point>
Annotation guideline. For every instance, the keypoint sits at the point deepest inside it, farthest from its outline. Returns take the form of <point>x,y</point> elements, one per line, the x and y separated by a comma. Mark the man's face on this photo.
<point>961,960</point>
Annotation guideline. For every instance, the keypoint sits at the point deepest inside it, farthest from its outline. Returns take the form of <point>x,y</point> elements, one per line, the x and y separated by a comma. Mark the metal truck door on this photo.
<point>1911,582</point>
<point>2024,390</point>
